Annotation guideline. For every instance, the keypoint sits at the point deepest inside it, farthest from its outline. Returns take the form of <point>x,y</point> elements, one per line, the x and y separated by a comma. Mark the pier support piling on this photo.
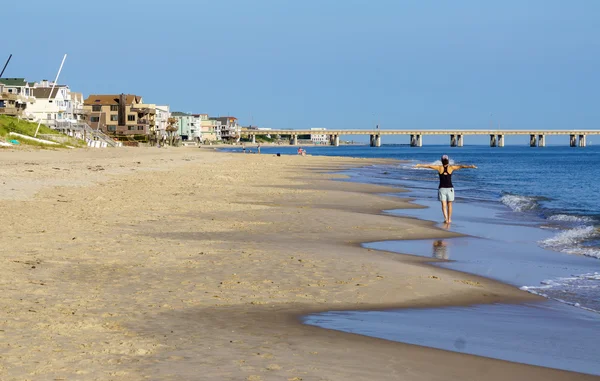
<point>573,141</point>
<point>453,140</point>
<point>294,140</point>
<point>253,139</point>
<point>532,141</point>
<point>335,140</point>
<point>460,140</point>
<point>500,140</point>
<point>582,140</point>
<point>541,140</point>
<point>493,142</point>
<point>416,140</point>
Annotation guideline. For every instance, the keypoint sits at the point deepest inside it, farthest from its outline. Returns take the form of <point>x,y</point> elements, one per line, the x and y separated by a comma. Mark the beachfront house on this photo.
<point>227,127</point>
<point>318,136</point>
<point>15,97</point>
<point>163,113</point>
<point>185,124</point>
<point>79,114</point>
<point>123,114</point>
<point>52,106</point>
<point>208,128</point>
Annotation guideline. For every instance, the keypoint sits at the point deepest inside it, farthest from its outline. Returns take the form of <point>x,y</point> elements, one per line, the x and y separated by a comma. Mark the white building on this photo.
<point>163,113</point>
<point>52,105</point>
<point>317,138</point>
<point>228,128</point>
<point>56,107</point>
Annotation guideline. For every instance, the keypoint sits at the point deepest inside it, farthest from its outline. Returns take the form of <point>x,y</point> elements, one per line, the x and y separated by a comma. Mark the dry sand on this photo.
<point>188,264</point>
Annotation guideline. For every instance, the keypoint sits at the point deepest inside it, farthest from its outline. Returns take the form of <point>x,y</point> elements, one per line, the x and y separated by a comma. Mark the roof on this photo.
<point>179,113</point>
<point>44,92</point>
<point>111,99</point>
<point>13,81</point>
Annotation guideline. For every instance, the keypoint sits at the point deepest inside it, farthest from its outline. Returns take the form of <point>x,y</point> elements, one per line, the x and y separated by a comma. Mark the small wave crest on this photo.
<point>569,241</point>
<point>570,237</point>
<point>577,290</point>
<point>519,203</point>
<point>570,218</point>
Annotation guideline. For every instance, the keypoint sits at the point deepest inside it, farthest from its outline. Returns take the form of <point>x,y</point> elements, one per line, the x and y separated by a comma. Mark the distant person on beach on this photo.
<point>445,189</point>
<point>258,148</point>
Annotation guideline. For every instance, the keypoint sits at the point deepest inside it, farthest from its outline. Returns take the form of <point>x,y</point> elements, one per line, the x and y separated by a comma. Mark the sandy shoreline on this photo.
<point>190,264</point>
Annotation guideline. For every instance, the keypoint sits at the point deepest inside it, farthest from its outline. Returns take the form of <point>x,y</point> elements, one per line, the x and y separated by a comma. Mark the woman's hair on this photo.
<point>445,161</point>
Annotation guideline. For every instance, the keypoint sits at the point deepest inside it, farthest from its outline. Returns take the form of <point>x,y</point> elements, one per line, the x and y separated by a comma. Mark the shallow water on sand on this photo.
<point>547,334</point>
<point>552,334</point>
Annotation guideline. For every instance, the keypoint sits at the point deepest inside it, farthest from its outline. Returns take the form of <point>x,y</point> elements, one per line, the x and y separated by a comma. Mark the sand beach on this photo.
<point>192,264</point>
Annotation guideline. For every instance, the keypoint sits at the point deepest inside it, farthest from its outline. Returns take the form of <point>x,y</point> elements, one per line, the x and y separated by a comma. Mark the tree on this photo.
<point>171,129</point>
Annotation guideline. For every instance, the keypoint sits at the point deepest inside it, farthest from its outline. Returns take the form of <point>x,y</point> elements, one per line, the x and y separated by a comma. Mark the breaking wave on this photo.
<point>520,203</point>
<point>570,218</point>
<point>569,241</point>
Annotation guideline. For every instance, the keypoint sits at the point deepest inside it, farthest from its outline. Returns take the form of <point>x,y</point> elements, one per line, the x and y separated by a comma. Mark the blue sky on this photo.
<point>324,63</point>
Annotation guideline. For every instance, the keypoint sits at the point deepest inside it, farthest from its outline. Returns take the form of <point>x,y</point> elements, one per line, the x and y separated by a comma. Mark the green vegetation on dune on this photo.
<point>10,124</point>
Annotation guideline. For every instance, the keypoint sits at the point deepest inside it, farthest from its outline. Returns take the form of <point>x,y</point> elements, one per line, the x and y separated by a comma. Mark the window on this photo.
<point>112,128</point>
<point>114,118</point>
<point>114,107</point>
<point>131,128</point>
<point>10,90</point>
<point>140,128</point>
<point>95,119</point>
<point>97,108</point>
<point>131,118</point>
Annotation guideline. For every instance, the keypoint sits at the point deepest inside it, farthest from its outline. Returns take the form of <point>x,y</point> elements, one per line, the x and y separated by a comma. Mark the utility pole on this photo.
<point>5,65</point>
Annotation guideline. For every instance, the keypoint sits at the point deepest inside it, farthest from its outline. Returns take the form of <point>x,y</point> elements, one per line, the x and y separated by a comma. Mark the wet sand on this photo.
<point>190,264</point>
<point>546,333</point>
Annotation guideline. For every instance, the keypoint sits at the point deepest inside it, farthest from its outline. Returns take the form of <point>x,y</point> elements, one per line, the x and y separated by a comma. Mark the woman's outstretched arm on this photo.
<point>455,167</point>
<point>426,166</point>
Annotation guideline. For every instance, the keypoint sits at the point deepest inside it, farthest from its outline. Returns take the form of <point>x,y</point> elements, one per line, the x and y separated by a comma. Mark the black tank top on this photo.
<point>445,179</point>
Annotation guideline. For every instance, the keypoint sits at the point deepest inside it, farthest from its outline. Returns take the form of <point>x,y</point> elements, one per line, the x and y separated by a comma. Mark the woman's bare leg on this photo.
<point>449,211</point>
<point>445,210</point>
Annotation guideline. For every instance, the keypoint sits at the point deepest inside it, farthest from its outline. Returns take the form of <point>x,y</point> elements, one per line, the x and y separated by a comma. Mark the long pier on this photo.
<point>537,138</point>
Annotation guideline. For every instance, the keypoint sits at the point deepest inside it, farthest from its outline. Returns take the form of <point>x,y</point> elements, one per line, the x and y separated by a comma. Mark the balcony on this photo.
<point>17,97</point>
<point>11,111</point>
<point>81,111</point>
<point>142,121</point>
<point>144,109</point>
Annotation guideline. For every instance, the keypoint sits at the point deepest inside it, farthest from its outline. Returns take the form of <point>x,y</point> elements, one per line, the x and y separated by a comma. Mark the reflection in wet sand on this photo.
<point>440,249</point>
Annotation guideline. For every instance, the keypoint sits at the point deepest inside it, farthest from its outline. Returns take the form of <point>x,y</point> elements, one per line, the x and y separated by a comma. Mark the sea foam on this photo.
<point>580,289</point>
<point>569,241</point>
<point>570,218</point>
<point>519,203</point>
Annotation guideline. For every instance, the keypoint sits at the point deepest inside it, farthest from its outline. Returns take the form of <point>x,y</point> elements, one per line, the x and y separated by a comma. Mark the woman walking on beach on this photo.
<point>445,189</point>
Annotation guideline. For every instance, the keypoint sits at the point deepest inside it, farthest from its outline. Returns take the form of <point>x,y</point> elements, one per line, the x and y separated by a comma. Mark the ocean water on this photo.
<point>553,188</point>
